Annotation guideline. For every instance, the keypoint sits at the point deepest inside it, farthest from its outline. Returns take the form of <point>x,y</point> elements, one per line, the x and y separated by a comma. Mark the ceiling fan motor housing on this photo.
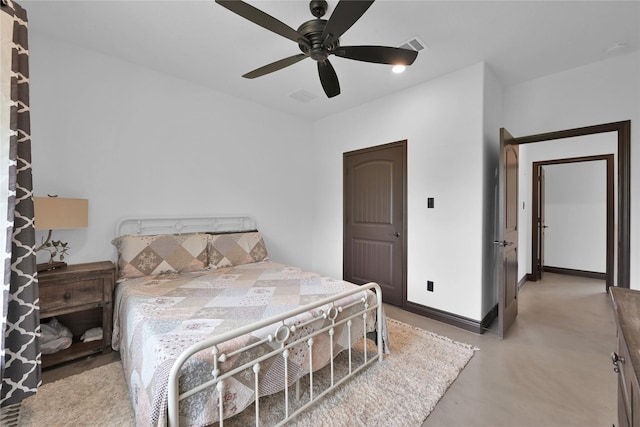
<point>312,44</point>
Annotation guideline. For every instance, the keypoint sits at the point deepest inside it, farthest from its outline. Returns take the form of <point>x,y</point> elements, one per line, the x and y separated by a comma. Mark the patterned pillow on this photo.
<point>162,253</point>
<point>226,250</point>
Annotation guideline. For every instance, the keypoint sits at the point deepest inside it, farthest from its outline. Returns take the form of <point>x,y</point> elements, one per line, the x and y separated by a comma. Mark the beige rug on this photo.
<point>401,391</point>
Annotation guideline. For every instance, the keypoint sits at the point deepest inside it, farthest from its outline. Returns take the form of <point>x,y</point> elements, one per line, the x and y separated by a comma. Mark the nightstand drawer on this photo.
<point>71,294</point>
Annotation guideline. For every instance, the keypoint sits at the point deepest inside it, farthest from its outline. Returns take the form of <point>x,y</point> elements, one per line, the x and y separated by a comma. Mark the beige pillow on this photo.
<point>226,250</point>
<point>162,253</point>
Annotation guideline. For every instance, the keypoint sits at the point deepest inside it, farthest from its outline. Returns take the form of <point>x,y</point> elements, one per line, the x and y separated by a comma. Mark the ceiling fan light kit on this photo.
<point>319,38</point>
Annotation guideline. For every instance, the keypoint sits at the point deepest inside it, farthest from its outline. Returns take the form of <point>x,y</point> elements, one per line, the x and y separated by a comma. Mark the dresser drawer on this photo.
<point>71,294</point>
<point>626,372</point>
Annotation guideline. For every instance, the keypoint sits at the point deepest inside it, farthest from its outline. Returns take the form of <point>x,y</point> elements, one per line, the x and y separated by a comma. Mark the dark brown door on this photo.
<point>374,219</point>
<point>507,259</point>
<point>541,224</point>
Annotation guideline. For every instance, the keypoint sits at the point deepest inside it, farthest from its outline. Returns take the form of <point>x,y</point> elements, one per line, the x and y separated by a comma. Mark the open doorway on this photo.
<point>577,196</point>
<point>620,132</point>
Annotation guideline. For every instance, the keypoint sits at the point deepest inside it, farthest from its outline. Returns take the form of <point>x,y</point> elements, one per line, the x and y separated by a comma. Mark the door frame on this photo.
<point>535,196</point>
<point>404,145</point>
<point>623,130</point>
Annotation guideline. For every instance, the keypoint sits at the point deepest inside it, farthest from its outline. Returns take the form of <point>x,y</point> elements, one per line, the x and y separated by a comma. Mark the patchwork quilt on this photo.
<point>157,317</point>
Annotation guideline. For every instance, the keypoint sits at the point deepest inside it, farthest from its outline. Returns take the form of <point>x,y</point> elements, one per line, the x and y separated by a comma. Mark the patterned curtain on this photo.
<point>19,346</point>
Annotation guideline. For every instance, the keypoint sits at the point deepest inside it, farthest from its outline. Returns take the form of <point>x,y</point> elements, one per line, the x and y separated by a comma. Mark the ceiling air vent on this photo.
<point>414,44</point>
<point>302,95</point>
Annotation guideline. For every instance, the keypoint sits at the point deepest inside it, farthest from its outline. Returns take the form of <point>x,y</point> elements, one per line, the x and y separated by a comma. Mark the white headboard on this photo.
<point>220,224</point>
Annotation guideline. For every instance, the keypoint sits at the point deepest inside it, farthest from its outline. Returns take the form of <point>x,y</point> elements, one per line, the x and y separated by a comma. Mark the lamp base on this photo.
<point>46,266</point>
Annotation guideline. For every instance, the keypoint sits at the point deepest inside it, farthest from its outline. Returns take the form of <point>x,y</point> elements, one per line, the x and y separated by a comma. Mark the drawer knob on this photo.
<point>615,359</point>
<point>67,296</point>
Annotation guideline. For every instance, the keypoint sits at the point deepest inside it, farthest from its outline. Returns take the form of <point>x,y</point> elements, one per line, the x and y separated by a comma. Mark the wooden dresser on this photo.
<point>626,358</point>
<point>81,297</point>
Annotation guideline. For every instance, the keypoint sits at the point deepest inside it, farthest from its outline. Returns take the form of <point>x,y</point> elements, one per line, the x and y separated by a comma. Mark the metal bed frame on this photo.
<point>282,338</point>
<point>178,225</point>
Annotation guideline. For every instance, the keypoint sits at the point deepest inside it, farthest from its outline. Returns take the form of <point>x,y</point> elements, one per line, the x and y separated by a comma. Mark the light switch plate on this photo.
<point>430,203</point>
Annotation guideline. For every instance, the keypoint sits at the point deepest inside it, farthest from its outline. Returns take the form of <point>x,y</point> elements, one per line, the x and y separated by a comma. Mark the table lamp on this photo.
<point>52,213</point>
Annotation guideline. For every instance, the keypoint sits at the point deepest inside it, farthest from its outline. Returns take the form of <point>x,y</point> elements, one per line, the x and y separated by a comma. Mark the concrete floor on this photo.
<point>552,369</point>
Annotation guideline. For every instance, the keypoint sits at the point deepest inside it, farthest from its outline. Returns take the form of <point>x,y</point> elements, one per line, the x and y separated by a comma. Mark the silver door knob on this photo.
<point>396,234</point>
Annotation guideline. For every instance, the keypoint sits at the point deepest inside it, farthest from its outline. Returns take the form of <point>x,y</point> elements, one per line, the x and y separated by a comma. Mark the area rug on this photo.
<point>400,391</point>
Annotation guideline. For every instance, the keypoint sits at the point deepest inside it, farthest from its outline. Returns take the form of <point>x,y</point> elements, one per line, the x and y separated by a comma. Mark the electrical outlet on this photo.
<point>430,286</point>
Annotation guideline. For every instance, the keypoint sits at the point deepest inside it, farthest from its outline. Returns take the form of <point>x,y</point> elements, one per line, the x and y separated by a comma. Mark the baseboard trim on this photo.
<point>526,278</point>
<point>489,318</point>
<point>446,317</point>
<point>572,272</point>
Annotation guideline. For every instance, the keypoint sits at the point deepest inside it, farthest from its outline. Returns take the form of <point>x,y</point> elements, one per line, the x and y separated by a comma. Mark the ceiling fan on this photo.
<point>319,38</point>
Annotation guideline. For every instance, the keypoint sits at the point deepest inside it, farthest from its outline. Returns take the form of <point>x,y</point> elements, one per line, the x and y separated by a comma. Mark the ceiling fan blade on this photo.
<point>328,78</point>
<point>274,66</point>
<point>378,54</point>
<point>260,18</point>
<point>346,13</point>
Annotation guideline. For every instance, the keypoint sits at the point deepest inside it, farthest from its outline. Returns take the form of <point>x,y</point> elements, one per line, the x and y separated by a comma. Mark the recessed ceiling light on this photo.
<point>398,69</point>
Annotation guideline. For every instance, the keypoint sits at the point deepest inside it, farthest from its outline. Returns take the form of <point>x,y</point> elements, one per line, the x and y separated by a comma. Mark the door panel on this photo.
<point>371,261</point>
<point>507,259</point>
<point>374,229</point>
<point>543,226</point>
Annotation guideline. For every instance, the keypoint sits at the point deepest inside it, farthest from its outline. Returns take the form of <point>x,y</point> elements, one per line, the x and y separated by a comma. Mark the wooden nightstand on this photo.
<point>81,297</point>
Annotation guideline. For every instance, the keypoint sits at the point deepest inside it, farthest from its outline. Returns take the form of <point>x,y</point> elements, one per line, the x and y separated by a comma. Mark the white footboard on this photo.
<point>336,316</point>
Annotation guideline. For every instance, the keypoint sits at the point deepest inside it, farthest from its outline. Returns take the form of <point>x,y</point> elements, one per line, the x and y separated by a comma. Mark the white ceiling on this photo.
<point>204,43</point>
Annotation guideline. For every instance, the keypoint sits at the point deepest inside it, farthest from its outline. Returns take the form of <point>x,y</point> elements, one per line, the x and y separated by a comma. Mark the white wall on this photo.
<point>576,216</point>
<point>442,120</point>
<point>602,92</point>
<point>137,142</point>
<point>493,121</point>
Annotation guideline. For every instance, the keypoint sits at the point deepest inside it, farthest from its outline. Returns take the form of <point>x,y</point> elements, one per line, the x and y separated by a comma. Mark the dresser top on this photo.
<point>626,303</point>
